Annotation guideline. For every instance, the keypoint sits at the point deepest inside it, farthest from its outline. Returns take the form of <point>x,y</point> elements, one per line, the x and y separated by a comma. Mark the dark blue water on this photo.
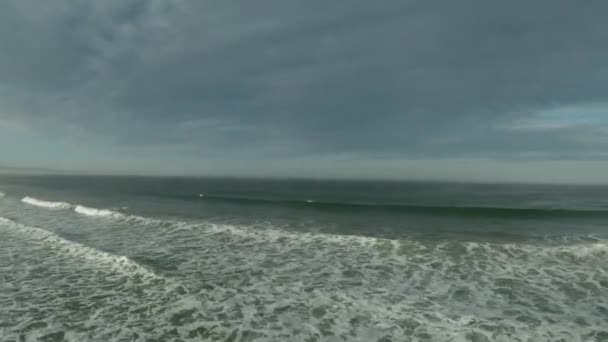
<point>137,259</point>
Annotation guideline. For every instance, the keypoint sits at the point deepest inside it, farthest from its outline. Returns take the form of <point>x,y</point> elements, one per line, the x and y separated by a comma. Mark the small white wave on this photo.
<point>2,194</point>
<point>594,250</point>
<point>45,204</point>
<point>113,214</point>
<point>97,212</point>
<point>274,234</point>
<point>77,250</point>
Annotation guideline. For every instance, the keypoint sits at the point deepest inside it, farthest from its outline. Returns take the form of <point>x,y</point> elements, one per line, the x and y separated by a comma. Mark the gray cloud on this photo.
<point>396,78</point>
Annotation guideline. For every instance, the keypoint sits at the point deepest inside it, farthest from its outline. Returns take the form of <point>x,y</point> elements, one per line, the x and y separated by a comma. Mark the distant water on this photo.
<point>175,259</point>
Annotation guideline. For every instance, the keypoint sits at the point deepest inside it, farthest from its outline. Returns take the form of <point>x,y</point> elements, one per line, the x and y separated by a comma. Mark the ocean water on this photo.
<point>178,259</point>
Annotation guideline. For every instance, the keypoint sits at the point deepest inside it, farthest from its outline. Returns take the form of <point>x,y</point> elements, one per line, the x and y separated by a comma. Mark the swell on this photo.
<point>574,249</point>
<point>78,250</point>
<point>595,249</point>
<point>354,207</point>
<point>435,210</point>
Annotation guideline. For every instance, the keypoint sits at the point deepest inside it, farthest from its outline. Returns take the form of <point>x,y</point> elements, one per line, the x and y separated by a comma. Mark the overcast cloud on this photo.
<point>276,80</point>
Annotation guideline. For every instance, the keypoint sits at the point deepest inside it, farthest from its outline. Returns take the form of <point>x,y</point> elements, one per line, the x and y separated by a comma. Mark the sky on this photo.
<point>471,90</point>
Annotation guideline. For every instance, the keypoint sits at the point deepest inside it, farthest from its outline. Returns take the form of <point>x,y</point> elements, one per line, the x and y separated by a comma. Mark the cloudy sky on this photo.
<point>466,90</point>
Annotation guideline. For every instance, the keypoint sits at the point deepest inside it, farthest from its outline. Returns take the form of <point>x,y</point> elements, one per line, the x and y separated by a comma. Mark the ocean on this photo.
<point>204,259</point>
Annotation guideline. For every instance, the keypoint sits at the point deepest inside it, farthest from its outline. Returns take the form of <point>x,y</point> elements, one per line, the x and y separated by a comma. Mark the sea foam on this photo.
<point>81,209</point>
<point>78,250</point>
<point>45,204</point>
<point>361,288</point>
<point>97,212</point>
<point>51,281</point>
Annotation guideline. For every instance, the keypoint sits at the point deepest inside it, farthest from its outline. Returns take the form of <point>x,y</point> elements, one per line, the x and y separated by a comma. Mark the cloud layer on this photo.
<point>391,79</point>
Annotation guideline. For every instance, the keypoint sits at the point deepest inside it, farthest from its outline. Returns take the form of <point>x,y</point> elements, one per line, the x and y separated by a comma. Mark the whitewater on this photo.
<point>74,268</point>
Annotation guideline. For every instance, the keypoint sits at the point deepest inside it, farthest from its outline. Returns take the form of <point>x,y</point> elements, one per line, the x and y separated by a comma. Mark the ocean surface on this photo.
<point>181,259</point>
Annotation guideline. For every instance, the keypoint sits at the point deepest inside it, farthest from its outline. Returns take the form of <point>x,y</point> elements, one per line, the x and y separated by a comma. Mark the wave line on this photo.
<point>45,204</point>
<point>78,250</point>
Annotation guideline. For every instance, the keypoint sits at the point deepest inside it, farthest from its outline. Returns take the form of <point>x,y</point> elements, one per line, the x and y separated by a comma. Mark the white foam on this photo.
<point>2,194</point>
<point>113,214</point>
<point>584,251</point>
<point>43,269</point>
<point>451,291</point>
<point>271,283</point>
<point>45,204</point>
<point>97,212</point>
<point>272,234</point>
<point>78,250</point>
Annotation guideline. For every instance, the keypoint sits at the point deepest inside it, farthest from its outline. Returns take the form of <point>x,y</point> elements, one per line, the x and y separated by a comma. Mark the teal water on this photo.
<point>182,259</point>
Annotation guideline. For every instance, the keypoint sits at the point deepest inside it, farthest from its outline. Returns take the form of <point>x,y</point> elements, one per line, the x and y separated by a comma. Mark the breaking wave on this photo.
<point>45,204</point>
<point>80,209</point>
<point>265,281</point>
<point>97,212</point>
<point>77,250</point>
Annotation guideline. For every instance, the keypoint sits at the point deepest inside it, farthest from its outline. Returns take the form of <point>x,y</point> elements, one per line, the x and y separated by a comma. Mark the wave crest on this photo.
<point>596,250</point>
<point>81,209</point>
<point>45,204</point>
<point>97,212</point>
<point>77,250</point>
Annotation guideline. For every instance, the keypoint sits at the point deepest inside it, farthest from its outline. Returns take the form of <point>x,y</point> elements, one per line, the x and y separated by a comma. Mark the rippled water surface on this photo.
<point>143,259</point>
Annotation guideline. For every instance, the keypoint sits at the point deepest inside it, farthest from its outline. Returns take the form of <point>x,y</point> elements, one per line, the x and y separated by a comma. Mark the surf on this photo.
<point>78,250</point>
<point>80,209</point>
<point>97,212</point>
<point>45,204</point>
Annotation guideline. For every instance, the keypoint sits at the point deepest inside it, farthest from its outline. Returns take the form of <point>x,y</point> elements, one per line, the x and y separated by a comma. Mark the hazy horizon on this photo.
<point>506,177</point>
